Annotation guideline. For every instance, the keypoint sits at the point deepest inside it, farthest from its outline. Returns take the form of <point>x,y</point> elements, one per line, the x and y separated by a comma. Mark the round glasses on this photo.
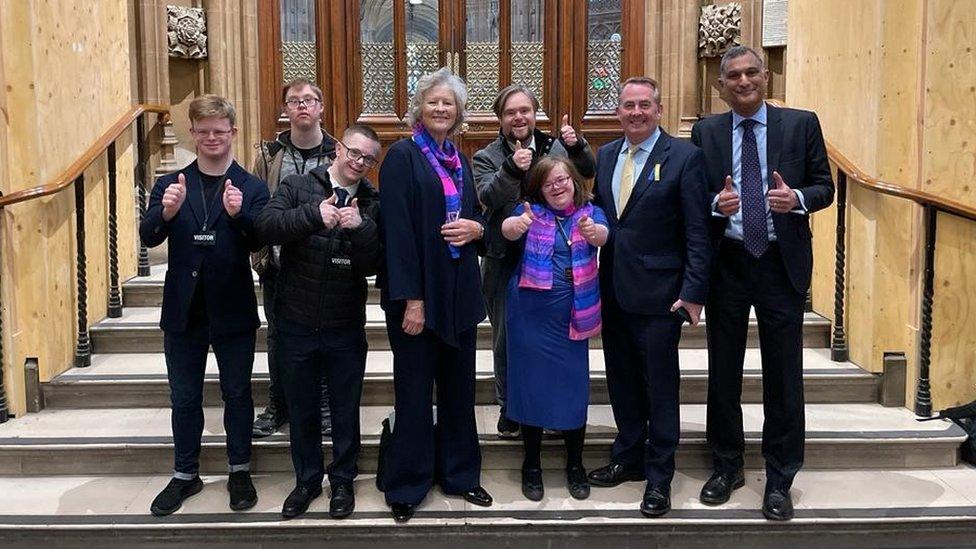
<point>560,182</point>
<point>355,154</point>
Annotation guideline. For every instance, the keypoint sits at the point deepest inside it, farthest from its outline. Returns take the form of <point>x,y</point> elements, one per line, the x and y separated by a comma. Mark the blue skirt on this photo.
<point>548,373</point>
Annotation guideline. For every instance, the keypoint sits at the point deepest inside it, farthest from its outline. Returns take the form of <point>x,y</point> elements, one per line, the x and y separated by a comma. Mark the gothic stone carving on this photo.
<point>719,28</point>
<point>187,32</point>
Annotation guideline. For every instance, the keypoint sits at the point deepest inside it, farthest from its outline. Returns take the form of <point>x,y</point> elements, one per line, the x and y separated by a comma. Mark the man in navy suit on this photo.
<point>206,212</point>
<point>767,171</point>
<point>654,266</point>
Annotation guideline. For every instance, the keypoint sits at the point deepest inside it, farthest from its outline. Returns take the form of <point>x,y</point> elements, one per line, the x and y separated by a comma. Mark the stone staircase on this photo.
<point>85,468</point>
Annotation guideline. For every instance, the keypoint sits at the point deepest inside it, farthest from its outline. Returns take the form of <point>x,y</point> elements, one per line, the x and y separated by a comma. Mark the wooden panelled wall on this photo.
<point>65,73</point>
<point>894,83</point>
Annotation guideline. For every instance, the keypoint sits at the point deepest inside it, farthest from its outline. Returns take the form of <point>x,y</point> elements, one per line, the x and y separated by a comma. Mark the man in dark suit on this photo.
<point>767,171</point>
<point>654,265</point>
<point>206,212</point>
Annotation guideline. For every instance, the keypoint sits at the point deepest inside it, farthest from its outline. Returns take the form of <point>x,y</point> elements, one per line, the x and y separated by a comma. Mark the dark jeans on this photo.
<point>275,392</point>
<point>308,356</point>
<point>186,362</point>
<point>495,274</point>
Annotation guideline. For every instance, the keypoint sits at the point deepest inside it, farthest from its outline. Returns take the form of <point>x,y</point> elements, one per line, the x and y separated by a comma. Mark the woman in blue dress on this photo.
<point>553,308</point>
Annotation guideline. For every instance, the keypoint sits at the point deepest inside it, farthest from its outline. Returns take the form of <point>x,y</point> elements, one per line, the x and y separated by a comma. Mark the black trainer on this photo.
<point>269,421</point>
<point>172,497</point>
<point>242,493</point>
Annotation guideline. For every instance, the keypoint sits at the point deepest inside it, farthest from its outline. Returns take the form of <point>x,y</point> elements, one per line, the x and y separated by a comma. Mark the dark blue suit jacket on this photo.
<point>224,268</point>
<point>659,248</point>
<point>795,148</point>
<point>418,264</point>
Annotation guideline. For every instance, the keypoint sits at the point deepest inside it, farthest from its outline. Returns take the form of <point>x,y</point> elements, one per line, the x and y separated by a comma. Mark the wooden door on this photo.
<point>572,53</point>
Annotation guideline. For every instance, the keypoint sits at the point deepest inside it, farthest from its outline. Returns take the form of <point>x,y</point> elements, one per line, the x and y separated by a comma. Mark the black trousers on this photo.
<point>186,364</point>
<point>420,455</point>
<point>738,282</point>
<point>308,356</point>
<point>276,393</point>
<point>641,354</point>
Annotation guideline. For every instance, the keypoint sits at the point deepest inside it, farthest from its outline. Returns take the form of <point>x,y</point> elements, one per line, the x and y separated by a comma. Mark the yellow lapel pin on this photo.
<point>657,172</point>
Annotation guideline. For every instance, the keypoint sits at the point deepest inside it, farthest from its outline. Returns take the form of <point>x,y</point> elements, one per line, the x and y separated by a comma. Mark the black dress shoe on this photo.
<point>719,487</point>
<point>242,493</point>
<point>532,487</point>
<point>402,512</point>
<point>576,481</point>
<point>656,502</point>
<point>612,475</point>
<point>172,497</point>
<point>477,496</point>
<point>777,505</point>
<point>298,501</point>
<point>343,501</point>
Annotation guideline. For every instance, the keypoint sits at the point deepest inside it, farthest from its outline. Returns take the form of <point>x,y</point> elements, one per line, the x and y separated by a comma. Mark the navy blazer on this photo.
<point>794,148</point>
<point>418,264</point>
<point>658,249</point>
<point>224,268</point>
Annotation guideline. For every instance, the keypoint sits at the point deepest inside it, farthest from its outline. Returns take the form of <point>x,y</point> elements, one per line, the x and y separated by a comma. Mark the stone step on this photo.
<point>147,291</point>
<point>911,507</point>
<point>139,380</point>
<point>137,331</point>
<point>138,440</point>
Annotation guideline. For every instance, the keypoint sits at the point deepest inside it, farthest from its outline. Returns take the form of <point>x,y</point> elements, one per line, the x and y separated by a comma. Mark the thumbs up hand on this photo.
<point>781,197</point>
<point>594,233</point>
<point>173,197</point>
<point>328,211</point>
<point>349,217</point>
<point>728,200</point>
<point>522,156</point>
<point>233,199</point>
<point>515,226</point>
<point>567,133</point>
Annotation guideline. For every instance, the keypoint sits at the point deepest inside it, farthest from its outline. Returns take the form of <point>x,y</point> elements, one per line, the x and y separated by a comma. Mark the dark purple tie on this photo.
<point>754,233</point>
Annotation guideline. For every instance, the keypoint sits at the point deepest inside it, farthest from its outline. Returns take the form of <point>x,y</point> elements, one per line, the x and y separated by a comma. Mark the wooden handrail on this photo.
<point>871,183</point>
<point>71,173</point>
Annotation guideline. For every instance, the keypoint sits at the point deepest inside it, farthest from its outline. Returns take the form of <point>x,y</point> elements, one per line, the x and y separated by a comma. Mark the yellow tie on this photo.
<point>626,179</point>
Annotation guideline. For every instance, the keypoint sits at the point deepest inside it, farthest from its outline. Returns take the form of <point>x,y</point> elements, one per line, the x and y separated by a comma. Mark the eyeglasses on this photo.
<point>219,134</point>
<point>355,154</point>
<point>294,102</point>
<point>560,182</point>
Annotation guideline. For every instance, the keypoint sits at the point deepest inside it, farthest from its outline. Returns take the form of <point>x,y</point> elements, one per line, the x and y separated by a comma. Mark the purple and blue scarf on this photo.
<point>446,162</point>
<point>537,266</point>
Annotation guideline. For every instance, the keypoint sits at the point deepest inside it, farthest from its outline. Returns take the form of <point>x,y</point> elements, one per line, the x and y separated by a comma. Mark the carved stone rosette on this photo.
<point>719,28</point>
<point>187,32</point>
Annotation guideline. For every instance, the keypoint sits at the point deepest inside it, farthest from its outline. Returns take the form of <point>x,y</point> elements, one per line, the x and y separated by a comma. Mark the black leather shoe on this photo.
<point>172,497</point>
<point>532,487</point>
<point>613,474</point>
<point>298,501</point>
<point>477,496</point>
<point>719,487</point>
<point>242,493</point>
<point>576,481</point>
<point>777,505</point>
<point>343,501</point>
<point>507,429</point>
<point>268,422</point>
<point>402,512</point>
<point>656,502</point>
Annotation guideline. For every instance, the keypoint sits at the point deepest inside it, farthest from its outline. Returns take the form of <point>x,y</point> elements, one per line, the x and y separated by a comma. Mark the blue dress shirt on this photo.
<point>734,229</point>
<point>641,155</point>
